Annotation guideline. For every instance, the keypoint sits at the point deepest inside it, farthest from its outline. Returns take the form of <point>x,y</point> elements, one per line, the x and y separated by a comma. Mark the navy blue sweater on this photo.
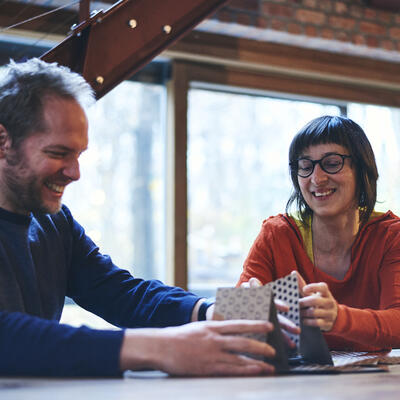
<point>44,258</point>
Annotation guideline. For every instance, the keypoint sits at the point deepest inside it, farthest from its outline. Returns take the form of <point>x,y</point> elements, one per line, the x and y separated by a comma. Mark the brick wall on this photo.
<point>346,21</point>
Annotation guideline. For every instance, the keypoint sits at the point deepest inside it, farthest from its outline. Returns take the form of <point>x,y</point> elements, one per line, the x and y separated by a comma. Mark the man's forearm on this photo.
<point>35,346</point>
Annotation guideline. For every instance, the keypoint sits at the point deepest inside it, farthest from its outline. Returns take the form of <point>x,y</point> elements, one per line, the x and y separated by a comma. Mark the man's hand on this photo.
<point>198,349</point>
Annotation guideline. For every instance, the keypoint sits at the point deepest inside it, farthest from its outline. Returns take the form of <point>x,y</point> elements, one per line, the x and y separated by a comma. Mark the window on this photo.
<point>120,198</point>
<point>382,126</point>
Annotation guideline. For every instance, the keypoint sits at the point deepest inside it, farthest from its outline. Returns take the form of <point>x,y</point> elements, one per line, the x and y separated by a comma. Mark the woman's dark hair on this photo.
<point>344,132</point>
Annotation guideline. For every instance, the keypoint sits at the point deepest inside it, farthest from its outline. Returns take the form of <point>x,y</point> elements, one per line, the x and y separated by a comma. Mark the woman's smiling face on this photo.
<point>329,195</point>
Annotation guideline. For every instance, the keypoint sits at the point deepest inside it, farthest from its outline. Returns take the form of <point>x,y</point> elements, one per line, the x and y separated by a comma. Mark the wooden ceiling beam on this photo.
<point>110,46</point>
<point>255,55</point>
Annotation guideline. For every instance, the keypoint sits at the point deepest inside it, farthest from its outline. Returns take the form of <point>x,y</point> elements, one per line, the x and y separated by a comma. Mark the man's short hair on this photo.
<point>24,88</point>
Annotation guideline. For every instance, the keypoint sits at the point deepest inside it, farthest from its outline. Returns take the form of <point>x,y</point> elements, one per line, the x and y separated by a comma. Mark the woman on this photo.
<point>347,256</point>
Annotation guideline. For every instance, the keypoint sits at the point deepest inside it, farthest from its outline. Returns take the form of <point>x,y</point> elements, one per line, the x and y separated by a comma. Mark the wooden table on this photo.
<point>157,386</point>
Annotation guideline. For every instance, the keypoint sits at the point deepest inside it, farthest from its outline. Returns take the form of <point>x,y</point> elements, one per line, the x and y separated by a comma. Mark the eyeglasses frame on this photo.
<point>295,166</point>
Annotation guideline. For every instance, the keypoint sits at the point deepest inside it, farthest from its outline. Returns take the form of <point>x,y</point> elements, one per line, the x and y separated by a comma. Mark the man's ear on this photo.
<point>5,141</point>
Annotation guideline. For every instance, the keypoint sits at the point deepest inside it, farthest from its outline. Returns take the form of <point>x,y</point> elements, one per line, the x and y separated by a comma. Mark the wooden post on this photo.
<point>84,10</point>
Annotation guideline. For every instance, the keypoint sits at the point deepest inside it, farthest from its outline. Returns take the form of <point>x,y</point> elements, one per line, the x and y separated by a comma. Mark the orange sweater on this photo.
<point>368,296</point>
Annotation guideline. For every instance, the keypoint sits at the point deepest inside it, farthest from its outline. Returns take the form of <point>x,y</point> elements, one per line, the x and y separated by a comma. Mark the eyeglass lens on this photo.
<point>331,164</point>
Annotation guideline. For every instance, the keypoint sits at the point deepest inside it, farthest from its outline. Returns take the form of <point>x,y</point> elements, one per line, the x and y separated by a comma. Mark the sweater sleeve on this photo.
<point>366,329</point>
<point>36,347</point>
<point>99,286</point>
<point>369,329</point>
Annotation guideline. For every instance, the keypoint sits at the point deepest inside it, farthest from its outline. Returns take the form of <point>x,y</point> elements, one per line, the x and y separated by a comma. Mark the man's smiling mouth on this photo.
<point>55,188</point>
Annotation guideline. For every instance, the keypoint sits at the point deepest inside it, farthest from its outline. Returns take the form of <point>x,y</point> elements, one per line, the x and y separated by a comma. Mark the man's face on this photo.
<point>34,175</point>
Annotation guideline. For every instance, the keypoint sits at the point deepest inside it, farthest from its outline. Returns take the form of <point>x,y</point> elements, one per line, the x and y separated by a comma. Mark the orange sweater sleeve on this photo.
<point>364,329</point>
<point>371,329</point>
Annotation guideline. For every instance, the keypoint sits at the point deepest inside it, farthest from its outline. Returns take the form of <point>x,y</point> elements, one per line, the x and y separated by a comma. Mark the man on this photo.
<point>45,256</point>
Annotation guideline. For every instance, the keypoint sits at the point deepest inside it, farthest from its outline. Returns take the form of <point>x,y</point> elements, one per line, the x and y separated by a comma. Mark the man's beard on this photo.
<point>24,190</point>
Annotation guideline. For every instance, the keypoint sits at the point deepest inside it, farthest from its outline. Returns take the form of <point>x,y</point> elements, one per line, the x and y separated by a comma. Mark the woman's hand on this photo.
<point>286,324</point>
<point>318,307</point>
<point>252,282</point>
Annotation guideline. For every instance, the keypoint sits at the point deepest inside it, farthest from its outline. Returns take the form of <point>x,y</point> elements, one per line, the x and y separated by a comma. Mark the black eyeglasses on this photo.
<point>331,163</point>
